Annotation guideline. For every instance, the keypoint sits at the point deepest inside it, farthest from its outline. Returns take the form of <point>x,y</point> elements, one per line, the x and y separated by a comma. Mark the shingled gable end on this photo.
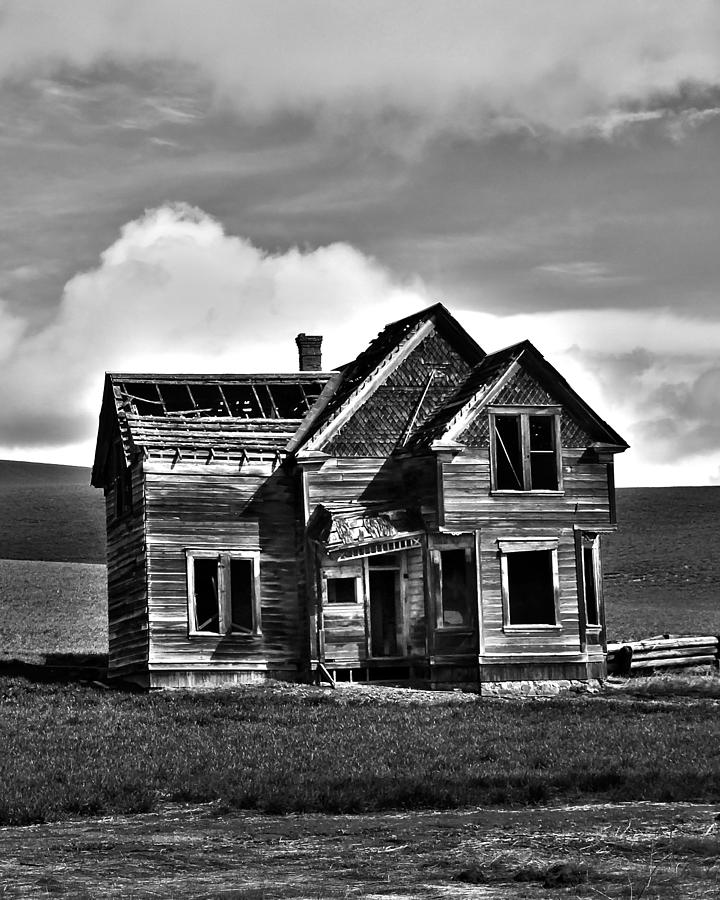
<point>425,514</point>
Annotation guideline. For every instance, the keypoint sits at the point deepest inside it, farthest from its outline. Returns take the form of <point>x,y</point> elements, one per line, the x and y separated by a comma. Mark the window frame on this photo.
<point>435,557</point>
<point>506,547</point>
<point>224,558</point>
<point>523,414</point>
<point>591,541</point>
<point>341,604</point>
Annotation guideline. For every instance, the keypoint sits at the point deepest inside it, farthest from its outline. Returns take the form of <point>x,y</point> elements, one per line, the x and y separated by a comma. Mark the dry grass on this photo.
<point>630,851</point>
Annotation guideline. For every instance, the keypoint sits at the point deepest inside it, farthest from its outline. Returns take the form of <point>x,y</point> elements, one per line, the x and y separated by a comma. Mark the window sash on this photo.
<point>226,595</point>
<point>522,464</point>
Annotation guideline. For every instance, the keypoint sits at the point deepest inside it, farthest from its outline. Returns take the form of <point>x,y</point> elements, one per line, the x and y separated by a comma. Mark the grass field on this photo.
<point>51,607</point>
<point>81,750</point>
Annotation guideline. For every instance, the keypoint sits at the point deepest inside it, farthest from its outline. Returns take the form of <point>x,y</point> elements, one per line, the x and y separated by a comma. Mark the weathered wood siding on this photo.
<point>358,486</point>
<point>468,504</point>
<point>416,603</point>
<point>496,640</point>
<point>127,591</point>
<point>224,512</point>
<point>354,485</point>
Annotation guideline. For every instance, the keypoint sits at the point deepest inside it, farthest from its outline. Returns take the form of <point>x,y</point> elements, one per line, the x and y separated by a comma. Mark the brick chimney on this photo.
<point>309,351</point>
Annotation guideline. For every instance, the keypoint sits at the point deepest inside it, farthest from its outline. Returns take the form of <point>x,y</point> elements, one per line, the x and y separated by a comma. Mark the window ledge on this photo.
<point>507,492</point>
<point>224,637</point>
<point>455,629</point>
<point>532,629</point>
<point>595,629</point>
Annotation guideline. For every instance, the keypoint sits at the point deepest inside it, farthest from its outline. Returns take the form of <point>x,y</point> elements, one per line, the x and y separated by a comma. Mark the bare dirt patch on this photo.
<point>654,851</point>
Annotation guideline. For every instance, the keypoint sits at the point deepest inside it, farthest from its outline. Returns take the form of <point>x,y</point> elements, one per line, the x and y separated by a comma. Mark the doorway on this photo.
<point>385,604</point>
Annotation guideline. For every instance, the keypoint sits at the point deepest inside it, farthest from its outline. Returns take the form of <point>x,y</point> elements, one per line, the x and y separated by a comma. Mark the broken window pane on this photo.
<point>341,590</point>
<point>207,616</point>
<point>531,589</point>
<point>543,463</point>
<point>508,453</point>
<point>455,595</point>
<point>241,594</point>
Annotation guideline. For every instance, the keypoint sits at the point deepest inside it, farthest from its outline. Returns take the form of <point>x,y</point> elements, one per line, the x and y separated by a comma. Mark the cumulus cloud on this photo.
<point>175,293</point>
<point>548,62</point>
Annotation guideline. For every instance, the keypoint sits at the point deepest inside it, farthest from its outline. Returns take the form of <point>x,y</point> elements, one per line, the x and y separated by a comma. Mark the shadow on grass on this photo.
<point>63,668</point>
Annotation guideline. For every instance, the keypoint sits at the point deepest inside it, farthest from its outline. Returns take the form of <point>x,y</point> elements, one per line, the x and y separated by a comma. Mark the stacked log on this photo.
<point>661,652</point>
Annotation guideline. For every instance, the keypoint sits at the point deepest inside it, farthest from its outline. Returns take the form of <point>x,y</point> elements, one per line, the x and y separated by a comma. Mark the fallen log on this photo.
<point>706,660</point>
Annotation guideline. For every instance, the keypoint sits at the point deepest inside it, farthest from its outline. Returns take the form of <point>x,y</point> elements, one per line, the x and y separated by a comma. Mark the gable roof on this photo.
<point>484,383</point>
<point>397,339</point>
<point>231,417</point>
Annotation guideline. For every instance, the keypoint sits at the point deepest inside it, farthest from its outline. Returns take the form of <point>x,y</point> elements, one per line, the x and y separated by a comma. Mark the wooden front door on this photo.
<point>385,605</point>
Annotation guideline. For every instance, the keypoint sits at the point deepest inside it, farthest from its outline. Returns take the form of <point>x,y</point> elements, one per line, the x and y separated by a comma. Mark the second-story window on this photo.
<point>526,451</point>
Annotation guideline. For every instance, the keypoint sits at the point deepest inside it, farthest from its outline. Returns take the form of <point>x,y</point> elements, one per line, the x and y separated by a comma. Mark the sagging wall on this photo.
<point>222,512</point>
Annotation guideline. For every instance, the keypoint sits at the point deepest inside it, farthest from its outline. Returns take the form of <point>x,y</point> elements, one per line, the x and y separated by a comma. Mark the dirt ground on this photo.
<point>647,850</point>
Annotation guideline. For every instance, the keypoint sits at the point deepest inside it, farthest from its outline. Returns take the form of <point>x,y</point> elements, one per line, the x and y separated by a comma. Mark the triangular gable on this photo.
<point>394,385</point>
<point>520,376</point>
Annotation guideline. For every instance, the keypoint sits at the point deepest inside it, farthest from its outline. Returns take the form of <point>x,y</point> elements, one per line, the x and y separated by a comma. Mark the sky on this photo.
<point>187,185</point>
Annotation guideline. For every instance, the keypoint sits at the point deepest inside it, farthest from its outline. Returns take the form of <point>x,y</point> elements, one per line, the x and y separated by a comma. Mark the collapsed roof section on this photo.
<point>243,418</point>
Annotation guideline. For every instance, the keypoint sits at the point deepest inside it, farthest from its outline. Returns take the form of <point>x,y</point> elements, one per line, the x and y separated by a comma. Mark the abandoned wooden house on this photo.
<point>427,514</point>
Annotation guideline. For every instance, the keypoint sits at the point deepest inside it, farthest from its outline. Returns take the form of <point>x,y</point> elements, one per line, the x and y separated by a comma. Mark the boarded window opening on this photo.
<point>531,588</point>
<point>455,599</point>
<point>342,590</point>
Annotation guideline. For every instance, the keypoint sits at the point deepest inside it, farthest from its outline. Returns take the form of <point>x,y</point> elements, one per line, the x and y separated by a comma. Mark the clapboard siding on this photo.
<point>222,513</point>
<point>468,502</point>
<point>355,485</point>
<point>127,591</point>
<point>415,602</point>
<point>498,641</point>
